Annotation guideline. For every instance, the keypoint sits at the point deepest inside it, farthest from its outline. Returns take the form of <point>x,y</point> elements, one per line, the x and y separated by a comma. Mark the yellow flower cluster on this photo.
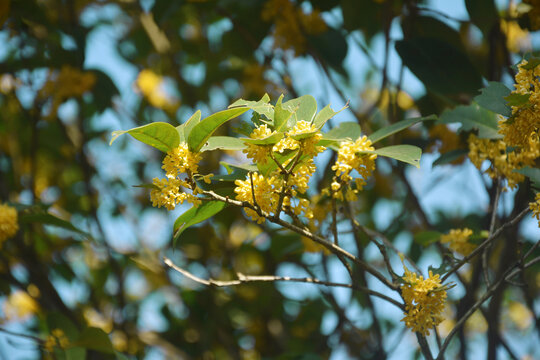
<point>459,240</point>
<point>167,192</point>
<point>535,208</point>
<point>424,301</point>
<point>8,222</point>
<point>67,83</point>
<point>151,86</point>
<point>520,145</point>
<point>259,153</point>
<point>350,158</point>
<point>291,23</point>
<point>291,184</point>
<point>260,193</point>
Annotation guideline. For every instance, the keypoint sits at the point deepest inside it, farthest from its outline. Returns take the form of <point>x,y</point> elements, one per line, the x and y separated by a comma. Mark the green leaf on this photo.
<point>191,122</point>
<point>397,127</point>
<point>206,127</point>
<point>75,353</point>
<point>409,154</point>
<point>517,99</point>
<point>440,66</point>
<point>180,129</point>
<point>269,140</point>
<point>426,238</point>
<point>450,156</point>
<point>344,131</point>
<point>303,136</point>
<point>306,107</point>
<point>223,143</point>
<point>262,106</point>
<point>326,114</point>
<point>492,96</point>
<point>473,117</point>
<point>532,62</point>
<point>161,135</point>
<point>95,339</point>
<point>531,173</point>
<point>281,115</point>
<point>196,215</point>
<point>48,219</point>
<point>269,166</point>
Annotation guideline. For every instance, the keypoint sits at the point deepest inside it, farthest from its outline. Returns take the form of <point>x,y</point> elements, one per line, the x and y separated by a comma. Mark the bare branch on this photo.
<point>485,243</point>
<point>243,279</point>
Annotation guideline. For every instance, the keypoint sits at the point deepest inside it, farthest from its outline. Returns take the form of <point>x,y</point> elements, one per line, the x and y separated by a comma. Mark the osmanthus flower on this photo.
<point>535,207</point>
<point>424,301</point>
<point>8,222</point>
<point>260,193</point>
<point>459,240</point>
<point>520,145</point>
<point>169,192</point>
<point>259,153</point>
<point>350,158</point>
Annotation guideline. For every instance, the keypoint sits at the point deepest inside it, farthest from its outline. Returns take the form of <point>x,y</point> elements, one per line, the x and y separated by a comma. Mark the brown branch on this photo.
<point>243,279</point>
<point>485,243</point>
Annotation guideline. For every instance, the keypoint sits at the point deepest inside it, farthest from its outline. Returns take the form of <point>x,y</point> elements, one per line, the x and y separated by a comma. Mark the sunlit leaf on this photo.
<point>406,153</point>
<point>161,135</point>
<point>281,116</point>
<point>191,122</point>
<point>269,140</point>
<point>206,127</point>
<point>223,143</point>
<point>262,106</point>
<point>325,114</point>
<point>196,215</point>
<point>397,127</point>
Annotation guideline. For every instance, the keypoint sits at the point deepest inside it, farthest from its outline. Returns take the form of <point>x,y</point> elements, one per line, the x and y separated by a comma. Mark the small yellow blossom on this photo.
<point>19,305</point>
<point>263,191</point>
<point>8,222</point>
<point>181,160</point>
<point>168,193</point>
<point>350,158</point>
<point>459,240</point>
<point>424,301</point>
<point>535,208</point>
<point>259,153</point>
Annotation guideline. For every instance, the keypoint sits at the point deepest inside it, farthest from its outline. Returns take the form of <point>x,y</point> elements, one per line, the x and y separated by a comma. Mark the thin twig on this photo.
<point>485,243</point>
<point>491,228</point>
<point>302,231</point>
<point>242,279</point>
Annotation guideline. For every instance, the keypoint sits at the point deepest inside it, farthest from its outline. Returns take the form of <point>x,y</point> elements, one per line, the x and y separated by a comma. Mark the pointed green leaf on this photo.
<point>206,127</point>
<point>325,114</point>
<point>531,173</point>
<point>303,136</point>
<point>406,153</point>
<point>517,99</point>
<point>281,116</point>
<point>191,122</point>
<point>471,117</point>
<point>345,130</point>
<point>492,96</point>
<point>223,143</point>
<point>95,339</point>
<point>306,107</point>
<point>532,62</point>
<point>161,135</point>
<point>450,156</point>
<point>262,106</point>
<point>397,127</point>
<point>196,215</point>
<point>269,140</point>
<point>180,129</point>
